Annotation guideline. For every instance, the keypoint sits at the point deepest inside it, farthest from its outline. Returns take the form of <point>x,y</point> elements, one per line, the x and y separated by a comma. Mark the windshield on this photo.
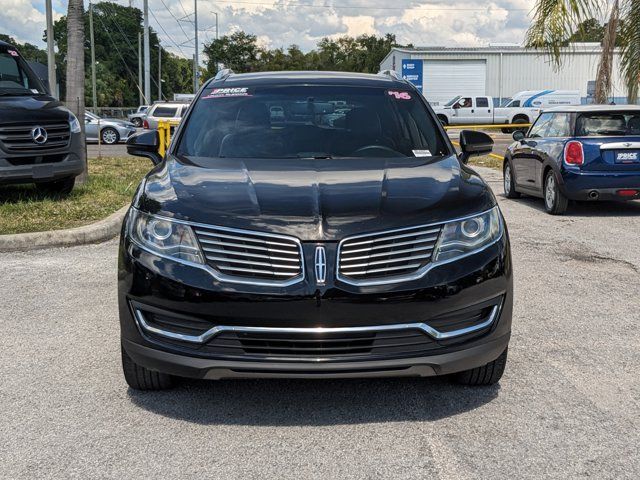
<point>16,78</point>
<point>310,122</point>
<point>608,124</point>
<point>452,101</point>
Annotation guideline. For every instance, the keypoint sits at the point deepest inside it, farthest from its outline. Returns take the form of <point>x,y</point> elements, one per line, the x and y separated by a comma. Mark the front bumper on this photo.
<point>42,166</point>
<point>176,292</point>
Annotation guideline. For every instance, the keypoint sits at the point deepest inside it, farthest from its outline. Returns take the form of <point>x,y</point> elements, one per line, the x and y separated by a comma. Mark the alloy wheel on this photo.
<point>550,192</point>
<point>109,136</point>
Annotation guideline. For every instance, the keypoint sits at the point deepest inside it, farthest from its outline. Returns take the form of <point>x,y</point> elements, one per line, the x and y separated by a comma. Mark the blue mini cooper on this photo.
<point>588,152</point>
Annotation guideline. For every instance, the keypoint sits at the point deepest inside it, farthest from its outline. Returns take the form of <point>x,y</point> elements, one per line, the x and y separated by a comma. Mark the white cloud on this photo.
<point>279,23</point>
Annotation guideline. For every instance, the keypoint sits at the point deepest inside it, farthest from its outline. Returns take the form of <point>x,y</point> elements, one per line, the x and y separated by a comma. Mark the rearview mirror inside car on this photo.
<point>474,143</point>
<point>518,135</point>
<point>145,144</point>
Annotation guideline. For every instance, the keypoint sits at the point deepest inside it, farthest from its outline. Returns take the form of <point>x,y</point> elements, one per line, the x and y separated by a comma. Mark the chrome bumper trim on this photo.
<point>211,333</point>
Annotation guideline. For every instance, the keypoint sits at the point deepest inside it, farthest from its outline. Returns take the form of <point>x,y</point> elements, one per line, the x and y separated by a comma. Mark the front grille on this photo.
<point>394,254</point>
<point>322,346</point>
<point>251,255</point>
<point>16,137</point>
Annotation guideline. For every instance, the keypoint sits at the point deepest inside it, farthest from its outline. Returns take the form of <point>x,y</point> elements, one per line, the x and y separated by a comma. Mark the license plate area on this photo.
<point>627,156</point>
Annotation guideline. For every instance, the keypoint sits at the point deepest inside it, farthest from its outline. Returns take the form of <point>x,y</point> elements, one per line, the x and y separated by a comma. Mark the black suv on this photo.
<point>39,138</point>
<point>313,224</point>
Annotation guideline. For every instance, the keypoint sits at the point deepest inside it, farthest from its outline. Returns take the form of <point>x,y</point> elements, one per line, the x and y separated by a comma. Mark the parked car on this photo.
<point>137,118</point>
<point>522,109</point>
<point>170,111</point>
<point>300,249</point>
<point>40,139</point>
<point>577,153</point>
<point>111,130</point>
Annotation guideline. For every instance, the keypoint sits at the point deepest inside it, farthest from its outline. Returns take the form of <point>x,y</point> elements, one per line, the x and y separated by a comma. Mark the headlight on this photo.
<point>468,235</point>
<point>74,123</point>
<point>164,237</point>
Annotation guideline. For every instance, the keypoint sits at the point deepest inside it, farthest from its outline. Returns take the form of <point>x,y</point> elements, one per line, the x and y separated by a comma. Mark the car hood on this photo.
<point>32,109</point>
<point>314,200</point>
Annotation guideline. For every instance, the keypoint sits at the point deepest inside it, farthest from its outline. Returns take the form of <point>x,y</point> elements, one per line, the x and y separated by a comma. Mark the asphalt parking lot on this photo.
<point>567,407</point>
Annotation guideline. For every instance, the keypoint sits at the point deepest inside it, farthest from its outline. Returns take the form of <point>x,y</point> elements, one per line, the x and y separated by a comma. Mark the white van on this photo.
<point>543,99</point>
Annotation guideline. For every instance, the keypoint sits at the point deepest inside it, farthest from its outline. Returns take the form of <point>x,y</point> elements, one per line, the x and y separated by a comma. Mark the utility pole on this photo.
<point>147,55</point>
<point>159,72</point>
<point>195,56</point>
<point>51,55</point>
<point>140,102</point>
<point>93,61</point>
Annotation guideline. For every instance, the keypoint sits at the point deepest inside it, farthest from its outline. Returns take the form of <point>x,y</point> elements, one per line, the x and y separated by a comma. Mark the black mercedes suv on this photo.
<point>316,225</point>
<point>39,138</point>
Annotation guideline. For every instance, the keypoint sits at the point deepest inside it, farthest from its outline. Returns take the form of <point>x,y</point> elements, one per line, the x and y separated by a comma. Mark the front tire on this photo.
<point>443,120</point>
<point>110,136</point>
<point>141,378</point>
<point>555,203</point>
<point>488,374</point>
<point>508,182</point>
<point>57,187</point>
<point>137,122</point>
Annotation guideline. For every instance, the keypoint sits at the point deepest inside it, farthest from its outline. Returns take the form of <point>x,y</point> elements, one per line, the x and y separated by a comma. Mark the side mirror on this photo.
<point>518,135</point>
<point>474,143</point>
<point>145,144</point>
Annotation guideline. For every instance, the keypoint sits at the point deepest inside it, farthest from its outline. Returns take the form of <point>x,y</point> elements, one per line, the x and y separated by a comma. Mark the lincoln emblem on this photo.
<point>320,262</point>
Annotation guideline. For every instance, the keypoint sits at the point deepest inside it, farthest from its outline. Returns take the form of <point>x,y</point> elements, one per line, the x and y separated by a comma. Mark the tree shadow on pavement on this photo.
<point>313,402</point>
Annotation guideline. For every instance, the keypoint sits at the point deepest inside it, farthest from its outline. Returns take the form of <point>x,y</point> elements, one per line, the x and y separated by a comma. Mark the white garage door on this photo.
<point>444,79</point>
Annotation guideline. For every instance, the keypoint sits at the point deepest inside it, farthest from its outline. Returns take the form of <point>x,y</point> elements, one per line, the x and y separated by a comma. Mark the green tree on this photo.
<point>241,53</point>
<point>116,29</point>
<point>556,20</point>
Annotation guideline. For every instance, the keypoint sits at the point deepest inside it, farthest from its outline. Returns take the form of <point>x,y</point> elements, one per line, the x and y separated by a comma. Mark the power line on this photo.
<point>175,18</point>
<point>119,54</point>
<point>361,7</point>
<point>166,34</point>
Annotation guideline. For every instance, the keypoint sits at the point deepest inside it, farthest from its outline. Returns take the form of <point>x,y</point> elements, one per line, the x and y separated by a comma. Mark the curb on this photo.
<point>97,232</point>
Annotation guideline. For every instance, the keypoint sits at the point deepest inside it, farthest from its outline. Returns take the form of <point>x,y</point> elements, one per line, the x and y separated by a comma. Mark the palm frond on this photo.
<point>630,59</point>
<point>555,20</point>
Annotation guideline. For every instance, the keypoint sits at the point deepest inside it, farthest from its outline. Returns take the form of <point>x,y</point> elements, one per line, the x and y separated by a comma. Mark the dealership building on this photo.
<point>499,71</point>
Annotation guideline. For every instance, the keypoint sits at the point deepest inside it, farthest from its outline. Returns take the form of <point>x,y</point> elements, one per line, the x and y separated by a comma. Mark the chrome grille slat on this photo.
<point>399,244</point>
<point>394,237</point>
<point>382,254</point>
<point>255,270</point>
<point>387,257</point>
<point>244,239</point>
<point>247,254</point>
<point>382,262</point>
<point>251,257</point>
<point>18,137</point>
<point>251,247</point>
<point>252,262</point>
<point>380,270</point>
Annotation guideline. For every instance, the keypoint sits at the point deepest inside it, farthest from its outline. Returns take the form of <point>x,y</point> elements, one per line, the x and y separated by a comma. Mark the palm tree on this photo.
<point>555,20</point>
<point>75,66</point>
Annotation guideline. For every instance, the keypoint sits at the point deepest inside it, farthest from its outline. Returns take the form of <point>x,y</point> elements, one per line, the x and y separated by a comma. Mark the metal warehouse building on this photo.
<point>499,71</point>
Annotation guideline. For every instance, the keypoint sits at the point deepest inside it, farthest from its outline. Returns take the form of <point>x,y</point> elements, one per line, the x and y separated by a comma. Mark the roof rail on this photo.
<point>224,73</point>
<point>391,73</point>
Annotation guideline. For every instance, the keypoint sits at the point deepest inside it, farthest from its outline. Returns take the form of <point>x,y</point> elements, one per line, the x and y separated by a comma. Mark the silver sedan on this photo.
<point>111,130</point>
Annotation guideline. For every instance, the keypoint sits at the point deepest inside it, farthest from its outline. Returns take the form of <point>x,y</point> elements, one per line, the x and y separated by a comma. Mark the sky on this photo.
<point>281,23</point>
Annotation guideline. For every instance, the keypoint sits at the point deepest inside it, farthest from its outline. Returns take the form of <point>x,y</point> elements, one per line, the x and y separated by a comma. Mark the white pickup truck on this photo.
<point>480,111</point>
<point>524,107</point>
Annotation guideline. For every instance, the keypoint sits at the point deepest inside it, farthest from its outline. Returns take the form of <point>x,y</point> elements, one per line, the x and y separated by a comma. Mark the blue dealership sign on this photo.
<point>412,71</point>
